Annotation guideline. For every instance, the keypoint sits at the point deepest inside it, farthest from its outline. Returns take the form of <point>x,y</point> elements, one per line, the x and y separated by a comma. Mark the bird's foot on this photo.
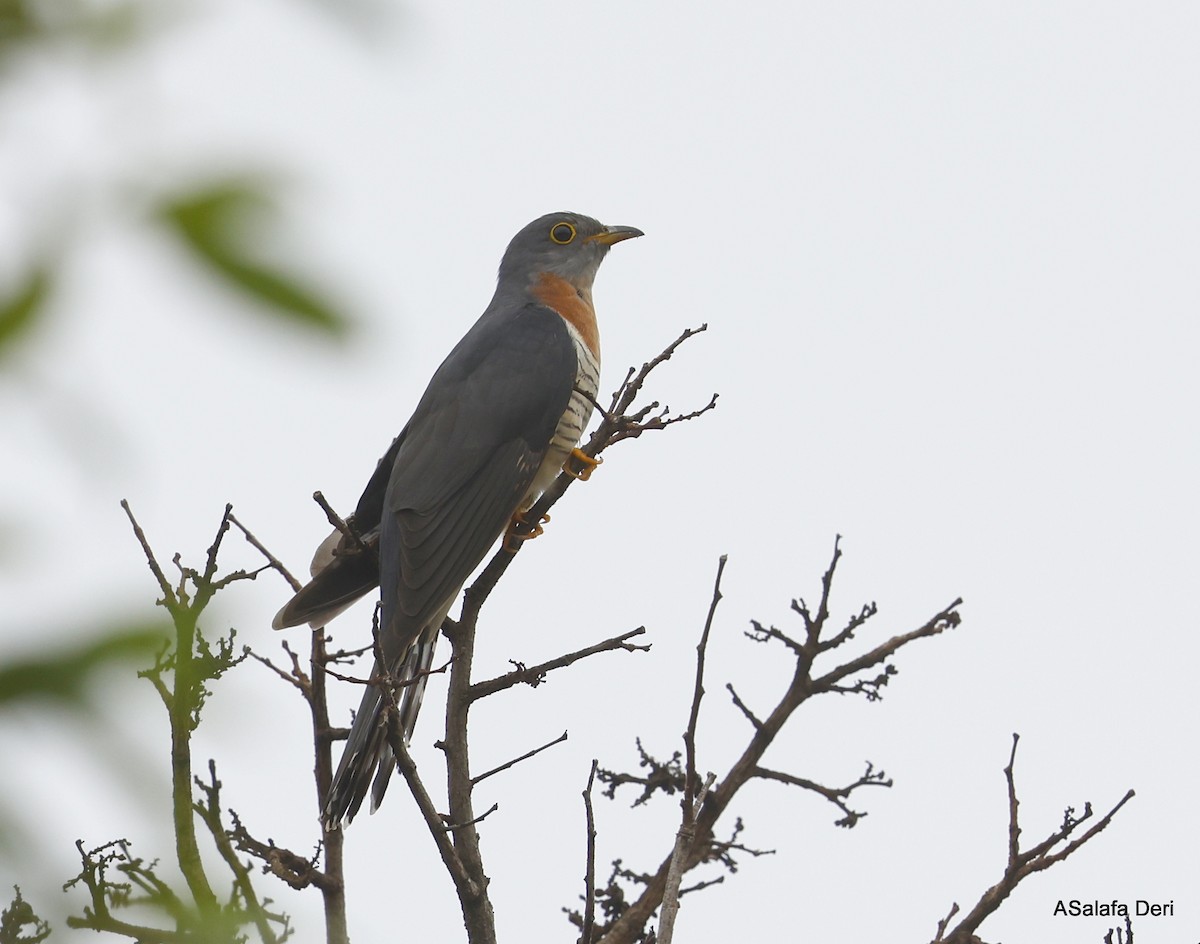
<point>587,465</point>
<point>512,540</point>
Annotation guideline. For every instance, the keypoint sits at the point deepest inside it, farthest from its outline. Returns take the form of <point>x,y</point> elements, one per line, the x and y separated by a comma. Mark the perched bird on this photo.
<point>498,420</point>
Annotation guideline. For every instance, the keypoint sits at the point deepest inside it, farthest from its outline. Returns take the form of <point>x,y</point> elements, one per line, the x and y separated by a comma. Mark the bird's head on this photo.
<point>568,245</point>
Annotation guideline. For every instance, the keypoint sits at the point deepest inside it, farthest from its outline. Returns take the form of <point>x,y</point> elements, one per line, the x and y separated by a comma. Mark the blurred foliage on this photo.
<point>214,223</point>
<point>20,309</point>
<point>230,229</point>
<point>65,675</point>
<point>99,24</point>
<point>19,924</point>
<point>212,220</point>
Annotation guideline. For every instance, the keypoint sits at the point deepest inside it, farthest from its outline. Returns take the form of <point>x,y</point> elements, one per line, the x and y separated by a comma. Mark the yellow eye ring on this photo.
<point>562,233</point>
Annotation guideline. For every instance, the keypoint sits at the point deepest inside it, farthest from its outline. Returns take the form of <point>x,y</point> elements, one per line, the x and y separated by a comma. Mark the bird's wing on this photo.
<point>344,570</point>
<point>471,451</point>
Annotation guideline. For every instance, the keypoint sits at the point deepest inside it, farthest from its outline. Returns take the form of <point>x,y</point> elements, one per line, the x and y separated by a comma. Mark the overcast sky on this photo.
<point>947,256</point>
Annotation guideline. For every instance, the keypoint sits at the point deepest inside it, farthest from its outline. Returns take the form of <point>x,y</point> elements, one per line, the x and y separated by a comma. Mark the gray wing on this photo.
<point>344,570</point>
<point>469,455</point>
<point>458,472</point>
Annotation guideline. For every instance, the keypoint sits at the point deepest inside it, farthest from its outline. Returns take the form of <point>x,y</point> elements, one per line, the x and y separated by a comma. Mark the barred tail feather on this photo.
<point>367,753</point>
<point>417,663</point>
<point>361,755</point>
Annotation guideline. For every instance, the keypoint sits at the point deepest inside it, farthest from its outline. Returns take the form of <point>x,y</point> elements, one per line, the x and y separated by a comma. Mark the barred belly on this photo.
<point>573,422</point>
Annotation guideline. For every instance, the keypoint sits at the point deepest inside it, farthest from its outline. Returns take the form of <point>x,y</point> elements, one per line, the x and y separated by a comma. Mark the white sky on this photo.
<point>946,253</point>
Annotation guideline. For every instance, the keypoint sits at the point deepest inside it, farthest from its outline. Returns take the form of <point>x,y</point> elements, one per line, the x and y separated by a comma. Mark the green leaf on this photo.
<point>214,223</point>
<point>65,675</point>
<point>19,311</point>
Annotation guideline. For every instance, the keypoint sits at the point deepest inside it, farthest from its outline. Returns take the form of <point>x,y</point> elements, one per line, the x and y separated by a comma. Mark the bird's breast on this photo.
<point>575,417</point>
<point>572,305</point>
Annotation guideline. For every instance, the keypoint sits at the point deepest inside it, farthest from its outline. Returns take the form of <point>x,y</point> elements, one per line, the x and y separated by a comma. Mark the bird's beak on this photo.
<point>614,234</point>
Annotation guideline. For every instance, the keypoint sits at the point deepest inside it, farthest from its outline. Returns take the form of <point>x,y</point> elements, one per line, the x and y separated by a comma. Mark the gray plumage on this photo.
<point>491,431</point>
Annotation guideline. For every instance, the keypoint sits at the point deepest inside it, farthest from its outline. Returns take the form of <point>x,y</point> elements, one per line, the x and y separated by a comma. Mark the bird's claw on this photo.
<point>587,465</point>
<point>512,540</point>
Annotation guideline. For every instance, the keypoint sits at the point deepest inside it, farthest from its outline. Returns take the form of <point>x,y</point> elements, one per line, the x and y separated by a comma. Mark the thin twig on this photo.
<point>627,928</point>
<point>210,813</point>
<point>533,674</point>
<point>589,878</point>
<point>689,736</point>
<point>835,795</point>
<point>945,922</point>
<point>272,561</point>
<point>750,715</point>
<point>165,585</point>
<point>1022,864</point>
<point>450,827</point>
<point>296,678</point>
<point>296,870</point>
<point>516,760</point>
<point>347,530</point>
<point>947,618</point>
<point>312,685</point>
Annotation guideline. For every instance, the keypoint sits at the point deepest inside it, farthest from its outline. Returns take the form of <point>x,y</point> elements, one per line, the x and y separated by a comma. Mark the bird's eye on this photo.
<point>562,233</point>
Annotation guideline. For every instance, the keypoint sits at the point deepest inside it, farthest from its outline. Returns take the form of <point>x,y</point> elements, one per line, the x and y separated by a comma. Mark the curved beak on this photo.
<point>614,234</point>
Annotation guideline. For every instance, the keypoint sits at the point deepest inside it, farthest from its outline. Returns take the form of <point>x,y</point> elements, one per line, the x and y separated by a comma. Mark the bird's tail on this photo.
<point>367,753</point>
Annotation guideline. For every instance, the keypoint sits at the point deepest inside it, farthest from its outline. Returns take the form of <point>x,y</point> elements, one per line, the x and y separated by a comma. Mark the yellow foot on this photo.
<point>512,540</point>
<point>587,465</point>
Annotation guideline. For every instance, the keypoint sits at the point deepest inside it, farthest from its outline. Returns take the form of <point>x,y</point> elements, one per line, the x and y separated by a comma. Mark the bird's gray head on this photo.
<point>568,245</point>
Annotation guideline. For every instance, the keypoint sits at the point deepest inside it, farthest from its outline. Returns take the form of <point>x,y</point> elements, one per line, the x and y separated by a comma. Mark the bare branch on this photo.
<point>689,736</point>
<point>272,561</point>
<point>449,827</point>
<point>478,915</point>
<point>835,795</point>
<point>516,760</point>
<point>98,917</point>
<point>340,523</point>
<point>169,600</point>
<point>814,625</point>
<point>1119,936</point>
<point>209,811</point>
<point>1022,864</point>
<point>646,419</point>
<point>945,922</point>
<point>296,677</point>
<point>290,867</point>
<point>664,776</point>
<point>589,879</point>
<point>685,840</point>
<point>632,385</point>
<point>761,633</point>
<point>947,618</point>
<point>312,685</point>
<point>626,928</point>
<point>533,675</point>
<point>868,610</point>
<point>750,716</point>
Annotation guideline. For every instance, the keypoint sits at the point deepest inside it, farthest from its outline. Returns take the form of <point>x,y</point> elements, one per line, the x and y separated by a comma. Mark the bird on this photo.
<point>498,420</point>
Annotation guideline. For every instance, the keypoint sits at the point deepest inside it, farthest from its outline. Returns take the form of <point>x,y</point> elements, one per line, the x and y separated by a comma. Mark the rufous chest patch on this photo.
<point>575,308</point>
